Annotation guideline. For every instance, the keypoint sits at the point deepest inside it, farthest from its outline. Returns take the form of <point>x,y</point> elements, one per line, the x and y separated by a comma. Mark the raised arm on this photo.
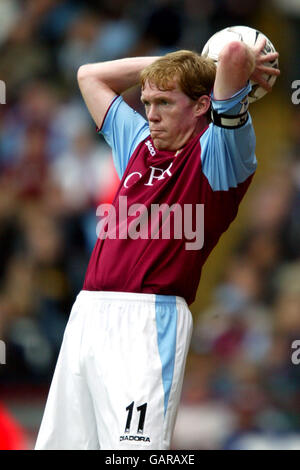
<point>237,64</point>
<point>100,83</point>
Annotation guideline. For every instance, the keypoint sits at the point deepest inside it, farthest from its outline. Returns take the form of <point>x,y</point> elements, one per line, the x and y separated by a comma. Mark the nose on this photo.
<point>153,114</point>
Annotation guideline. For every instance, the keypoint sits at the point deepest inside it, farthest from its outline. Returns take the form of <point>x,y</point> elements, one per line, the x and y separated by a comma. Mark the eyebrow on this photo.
<point>155,98</point>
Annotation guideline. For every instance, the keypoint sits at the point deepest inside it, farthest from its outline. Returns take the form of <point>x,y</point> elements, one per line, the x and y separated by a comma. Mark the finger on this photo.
<point>262,82</point>
<point>260,44</point>
<point>269,57</point>
<point>268,70</point>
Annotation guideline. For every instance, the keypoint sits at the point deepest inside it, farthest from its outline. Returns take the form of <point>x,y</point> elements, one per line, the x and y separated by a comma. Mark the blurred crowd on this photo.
<point>55,170</point>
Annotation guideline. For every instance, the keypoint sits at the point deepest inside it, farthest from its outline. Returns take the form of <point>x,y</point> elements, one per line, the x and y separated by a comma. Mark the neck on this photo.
<point>200,126</point>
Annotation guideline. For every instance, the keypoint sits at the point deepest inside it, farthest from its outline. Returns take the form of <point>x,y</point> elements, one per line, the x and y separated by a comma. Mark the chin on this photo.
<point>159,145</point>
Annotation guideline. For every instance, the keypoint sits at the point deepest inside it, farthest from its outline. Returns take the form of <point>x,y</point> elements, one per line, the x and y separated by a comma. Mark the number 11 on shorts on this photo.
<point>140,409</point>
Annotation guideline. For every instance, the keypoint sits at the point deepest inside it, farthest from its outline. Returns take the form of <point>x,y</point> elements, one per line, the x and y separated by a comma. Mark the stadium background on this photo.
<point>241,388</point>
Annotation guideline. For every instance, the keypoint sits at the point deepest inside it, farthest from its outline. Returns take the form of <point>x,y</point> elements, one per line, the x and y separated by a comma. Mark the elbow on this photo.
<point>238,55</point>
<point>82,73</point>
<point>90,73</point>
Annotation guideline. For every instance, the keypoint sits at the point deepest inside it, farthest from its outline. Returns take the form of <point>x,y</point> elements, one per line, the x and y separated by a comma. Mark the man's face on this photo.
<point>173,117</point>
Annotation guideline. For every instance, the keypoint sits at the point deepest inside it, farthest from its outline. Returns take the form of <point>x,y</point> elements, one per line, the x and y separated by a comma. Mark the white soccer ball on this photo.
<point>249,36</point>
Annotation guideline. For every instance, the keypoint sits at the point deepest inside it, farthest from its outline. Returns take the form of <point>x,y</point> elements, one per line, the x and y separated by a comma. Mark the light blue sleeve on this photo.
<point>123,129</point>
<point>228,155</point>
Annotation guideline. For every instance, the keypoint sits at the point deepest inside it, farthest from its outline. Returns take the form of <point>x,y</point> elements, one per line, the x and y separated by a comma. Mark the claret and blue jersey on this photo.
<point>213,171</point>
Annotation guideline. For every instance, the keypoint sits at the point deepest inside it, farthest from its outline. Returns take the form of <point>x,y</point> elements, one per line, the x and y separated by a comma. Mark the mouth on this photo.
<point>156,131</point>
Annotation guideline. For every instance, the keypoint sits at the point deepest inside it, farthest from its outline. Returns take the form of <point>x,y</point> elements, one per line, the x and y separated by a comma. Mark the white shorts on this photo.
<point>119,373</point>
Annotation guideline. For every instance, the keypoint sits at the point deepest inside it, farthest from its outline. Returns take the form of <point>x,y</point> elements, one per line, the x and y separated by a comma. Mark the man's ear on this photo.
<point>202,105</point>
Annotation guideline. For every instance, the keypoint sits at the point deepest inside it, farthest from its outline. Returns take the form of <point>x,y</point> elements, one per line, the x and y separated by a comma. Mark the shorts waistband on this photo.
<point>132,297</point>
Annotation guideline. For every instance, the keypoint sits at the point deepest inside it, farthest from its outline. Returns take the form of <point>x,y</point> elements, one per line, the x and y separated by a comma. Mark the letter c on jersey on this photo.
<point>129,176</point>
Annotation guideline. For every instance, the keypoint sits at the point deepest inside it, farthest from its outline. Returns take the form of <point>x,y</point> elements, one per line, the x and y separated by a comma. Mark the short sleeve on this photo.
<point>123,129</point>
<point>232,105</point>
<point>228,155</point>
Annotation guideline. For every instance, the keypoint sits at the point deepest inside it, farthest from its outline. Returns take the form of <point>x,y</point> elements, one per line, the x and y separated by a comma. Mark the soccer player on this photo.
<point>183,173</point>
